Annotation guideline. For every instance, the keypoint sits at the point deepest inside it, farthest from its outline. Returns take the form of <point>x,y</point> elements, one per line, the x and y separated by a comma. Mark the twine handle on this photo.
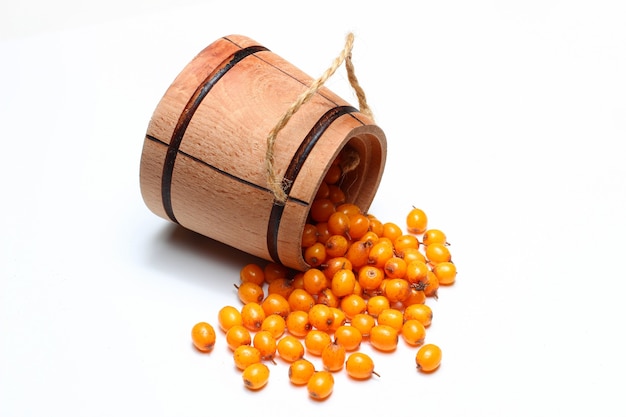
<point>278,185</point>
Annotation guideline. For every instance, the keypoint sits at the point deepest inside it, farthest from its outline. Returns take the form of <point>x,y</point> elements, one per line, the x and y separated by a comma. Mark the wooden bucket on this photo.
<point>202,164</point>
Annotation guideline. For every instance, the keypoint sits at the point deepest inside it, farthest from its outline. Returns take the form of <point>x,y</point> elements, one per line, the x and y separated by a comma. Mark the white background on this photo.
<point>506,122</point>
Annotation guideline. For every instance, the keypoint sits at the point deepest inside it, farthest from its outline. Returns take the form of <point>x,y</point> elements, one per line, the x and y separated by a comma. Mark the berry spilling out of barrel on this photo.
<point>369,281</point>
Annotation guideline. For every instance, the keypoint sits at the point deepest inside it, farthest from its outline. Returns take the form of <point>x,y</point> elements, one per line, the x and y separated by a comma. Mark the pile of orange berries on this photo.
<point>368,282</point>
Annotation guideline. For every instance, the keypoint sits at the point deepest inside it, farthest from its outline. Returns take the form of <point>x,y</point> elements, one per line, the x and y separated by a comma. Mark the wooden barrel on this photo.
<point>202,164</point>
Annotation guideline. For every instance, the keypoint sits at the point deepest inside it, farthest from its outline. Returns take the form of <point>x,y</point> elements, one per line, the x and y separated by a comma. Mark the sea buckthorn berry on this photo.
<point>395,267</point>
<point>249,292</point>
<point>336,194</point>
<point>315,255</point>
<point>416,272</point>
<point>445,273</point>
<point>296,281</point>
<point>391,317</point>
<point>360,366</point>
<point>246,355</point>
<point>434,236</point>
<point>428,358</point>
<point>309,235</point>
<point>359,226</point>
<point>252,273</point>
<point>416,221</point>
<point>237,336</point>
<point>352,305</point>
<point>416,296</point>
<point>358,290</point>
<point>274,324</point>
<point>376,304</point>
<point>363,323</point>
<point>376,226</point>
<point>358,253</point>
<point>290,348</point>
<point>333,175</point>
<point>321,210</point>
<point>397,290</point>
<point>333,356</point>
<point>349,209</point>
<point>266,343</point>
<point>276,304</point>
<point>315,341</point>
<point>420,312</point>
<point>256,376</point>
<point>323,191</point>
<point>437,253</point>
<point>252,316</point>
<point>339,318</point>
<point>320,385</point>
<point>314,281</point>
<point>321,317</point>
<point>409,255</point>
<point>280,286</point>
<point>370,277</point>
<point>298,323</point>
<point>274,271</point>
<point>203,336</point>
<point>431,285</point>
<point>335,264</point>
<point>301,371</point>
<point>349,337</point>
<point>338,224</point>
<point>322,232</point>
<point>384,338</point>
<point>413,332</point>
<point>343,282</point>
<point>228,316</point>
<point>405,242</point>
<point>370,237</point>
<point>300,300</point>
<point>380,253</point>
<point>336,245</point>
<point>327,297</point>
<point>392,231</point>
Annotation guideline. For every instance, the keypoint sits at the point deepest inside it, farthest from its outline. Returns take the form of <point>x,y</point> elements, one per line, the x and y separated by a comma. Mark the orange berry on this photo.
<point>397,290</point>
<point>420,312</point>
<point>300,300</point>
<point>315,255</point>
<point>377,304</point>
<point>249,292</point>
<point>335,264</point>
<point>445,273</point>
<point>266,343</point>
<point>363,323</point>
<point>314,281</point>
<point>358,253</point>
<point>256,376</point>
<point>428,358</point>
<point>416,296</point>
<point>276,304</point>
<point>252,273</point>
<point>274,271</point>
<point>416,221</point>
<point>405,242</point>
<point>343,283</point>
<point>339,318</point>
<point>336,245</point>
<point>370,277</point>
<point>309,235</point>
<point>391,231</point>
<point>227,317</point>
<point>391,317</point>
<point>320,385</point>
<point>333,175</point>
<point>280,286</point>
<point>384,338</point>
<point>298,323</point>
<point>349,209</point>
<point>409,255</point>
<point>395,267</point>
<point>321,210</point>
<point>252,316</point>
<point>315,341</point>
<point>336,194</point>
<point>359,226</point>
<point>434,236</point>
<point>322,232</point>
<point>237,336</point>
<point>352,305</point>
<point>327,297</point>
<point>274,324</point>
<point>290,348</point>
<point>333,356</point>
<point>380,253</point>
<point>301,371</point>
<point>338,224</point>
<point>413,332</point>
<point>246,355</point>
<point>323,191</point>
<point>376,226</point>
<point>360,366</point>
<point>431,284</point>
<point>349,337</point>
<point>416,272</point>
<point>203,336</point>
<point>321,317</point>
<point>437,253</point>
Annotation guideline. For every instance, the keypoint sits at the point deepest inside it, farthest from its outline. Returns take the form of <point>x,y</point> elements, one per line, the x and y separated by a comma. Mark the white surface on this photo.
<point>506,123</point>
